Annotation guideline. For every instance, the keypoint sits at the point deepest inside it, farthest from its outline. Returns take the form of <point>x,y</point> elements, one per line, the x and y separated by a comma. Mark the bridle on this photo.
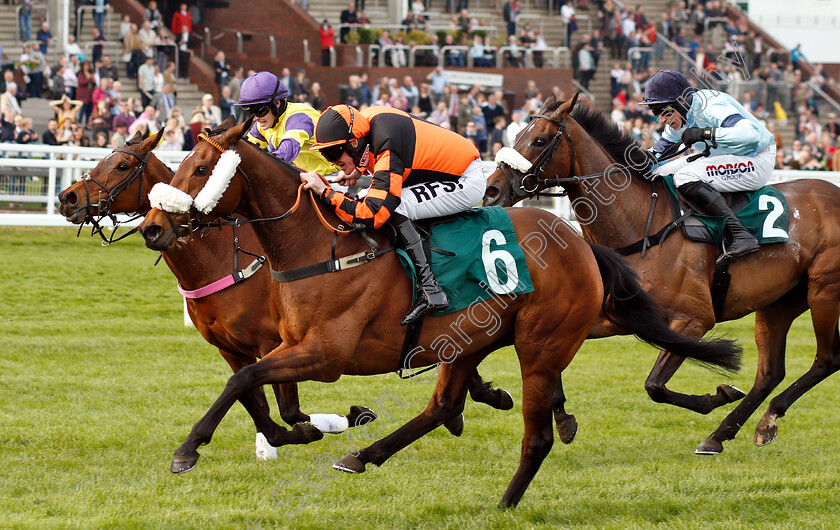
<point>519,183</point>
<point>103,206</point>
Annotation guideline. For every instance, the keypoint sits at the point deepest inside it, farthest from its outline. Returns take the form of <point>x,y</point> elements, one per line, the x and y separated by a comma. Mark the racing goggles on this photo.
<point>333,152</point>
<point>258,110</point>
<point>662,108</point>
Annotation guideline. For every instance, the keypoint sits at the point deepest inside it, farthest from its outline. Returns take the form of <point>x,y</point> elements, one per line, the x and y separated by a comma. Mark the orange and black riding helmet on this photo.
<point>338,125</point>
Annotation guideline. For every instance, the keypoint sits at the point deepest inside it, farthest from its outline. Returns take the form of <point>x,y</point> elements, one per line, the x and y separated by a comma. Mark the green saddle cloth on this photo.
<point>487,259</point>
<point>765,215</point>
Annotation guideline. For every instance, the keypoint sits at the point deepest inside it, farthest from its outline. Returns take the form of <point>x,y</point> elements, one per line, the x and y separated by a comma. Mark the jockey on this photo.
<point>741,158</point>
<point>419,171</point>
<point>284,129</point>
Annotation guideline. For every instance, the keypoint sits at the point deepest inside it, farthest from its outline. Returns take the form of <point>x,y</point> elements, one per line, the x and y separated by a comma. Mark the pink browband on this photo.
<point>225,282</point>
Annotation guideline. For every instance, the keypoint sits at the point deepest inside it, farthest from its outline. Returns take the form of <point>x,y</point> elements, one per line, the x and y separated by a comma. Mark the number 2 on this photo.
<point>765,202</point>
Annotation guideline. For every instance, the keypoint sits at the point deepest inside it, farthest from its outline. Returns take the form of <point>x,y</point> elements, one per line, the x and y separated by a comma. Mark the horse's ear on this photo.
<point>548,101</point>
<point>152,141</point>
<point>233,134</point>
<point>566,108</point>
<point>136,139</point>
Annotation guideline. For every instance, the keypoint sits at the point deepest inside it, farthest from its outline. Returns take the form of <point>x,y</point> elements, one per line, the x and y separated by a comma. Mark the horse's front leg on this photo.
<point>447,402</point>
<point>666,366</point>
<point>304,361</point>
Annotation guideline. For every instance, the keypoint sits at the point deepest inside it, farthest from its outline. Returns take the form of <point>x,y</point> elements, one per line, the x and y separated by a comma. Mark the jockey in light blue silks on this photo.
<point>741,158</point>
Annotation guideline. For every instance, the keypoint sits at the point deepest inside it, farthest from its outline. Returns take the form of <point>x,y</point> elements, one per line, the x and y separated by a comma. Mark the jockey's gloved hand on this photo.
<point>692,135</point>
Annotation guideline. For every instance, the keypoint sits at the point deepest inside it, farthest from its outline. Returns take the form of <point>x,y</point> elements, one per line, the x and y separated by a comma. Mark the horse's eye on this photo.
<point>201,171</point>
<point>122,166</point>
<point>539,141</point>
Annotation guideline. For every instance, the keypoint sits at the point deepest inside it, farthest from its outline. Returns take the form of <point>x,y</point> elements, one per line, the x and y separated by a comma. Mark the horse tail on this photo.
<point>628,306</point>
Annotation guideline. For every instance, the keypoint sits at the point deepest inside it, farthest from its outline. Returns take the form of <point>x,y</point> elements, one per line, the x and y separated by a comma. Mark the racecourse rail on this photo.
<point>36,173</point>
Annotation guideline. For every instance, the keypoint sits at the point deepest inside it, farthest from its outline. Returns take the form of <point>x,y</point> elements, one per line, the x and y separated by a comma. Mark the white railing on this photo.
<point>33,173</point>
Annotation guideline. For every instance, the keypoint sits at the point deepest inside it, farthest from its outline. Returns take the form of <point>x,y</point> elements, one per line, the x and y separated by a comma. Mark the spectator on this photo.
<point>833,128</point>
<point>539,47</point>
<point>286,76</point>
<point>348,16</point>
<point>49,137</point>
<point>44,36</point>
<point>71,82</point>
<point>99,15</point>
<point>327,34</point>
<point>364,89</point>
<point>153,16</point>
<point>424,101</point>
<point>796,55</point>
<point>516,125</point>
<point>220,67</point>
<point>440,116</point>
<point>184,54</point>
<point>147,122</point>
<point>32,64</point>
<point>132,54</point>
<point>9,99</point>
<point>353,94</point>
<point>126,116</point>
<point>509,12</point>
<point>107,69</point>
<point>182,21</point>
<point>617,115</point>
<point>299,86</point>
<point>102,93</point>
<point>515,54</point>
<point>115,95</point>
<point>170,142</point>
<point>164,101</point>
<point>146,81</point>
<point>78,138</point>
<point>410,91</point>
<point>316,98</point>
<point>586,64</point>
<point>212,113</point>
<point>567,14</point>
<point>480,129</point>
<point>438,79</point>
<point>84,92</point>
<point>25,20</point>
<point>147,36</point>
<point>119,136</point>
<point>125,26</point>
<point>497,133</point>
<point>100,119</point>
<point>8,77</point>
<point>225,103</point>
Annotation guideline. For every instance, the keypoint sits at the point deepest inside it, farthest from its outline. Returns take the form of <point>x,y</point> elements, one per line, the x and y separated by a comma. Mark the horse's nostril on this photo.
<point>70,199</point>
<point>152,232</point>
<point>491,191</point>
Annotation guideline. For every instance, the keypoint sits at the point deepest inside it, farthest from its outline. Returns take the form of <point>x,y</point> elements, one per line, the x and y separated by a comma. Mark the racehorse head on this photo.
<point>116,184</point>
<point>543,149</point>
<point>208,184</point>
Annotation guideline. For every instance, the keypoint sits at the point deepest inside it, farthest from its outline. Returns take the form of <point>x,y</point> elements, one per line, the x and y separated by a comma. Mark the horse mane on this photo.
<point>617,143</point>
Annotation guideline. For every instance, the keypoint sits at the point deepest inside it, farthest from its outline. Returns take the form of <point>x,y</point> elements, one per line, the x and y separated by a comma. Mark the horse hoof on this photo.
<point>360,415</point>
<point>567,429</point>
<point>455,425</point>
<point>183,463</point>
<point>765,432</point>
<point>306,433</point>
<point>709,447</point>
<point>350,464</point>
<point>732,393</point>
<point>505,400</point>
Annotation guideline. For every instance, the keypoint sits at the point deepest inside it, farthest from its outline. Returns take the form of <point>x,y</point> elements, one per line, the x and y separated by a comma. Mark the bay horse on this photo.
<point>347,322</point>
<point>778,283</point>
<point>236,319</point>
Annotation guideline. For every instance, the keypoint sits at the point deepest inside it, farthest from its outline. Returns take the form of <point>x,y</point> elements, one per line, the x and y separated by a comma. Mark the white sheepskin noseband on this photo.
<point>169,199</point>
<point>209,196</point>
<point>512,157</point>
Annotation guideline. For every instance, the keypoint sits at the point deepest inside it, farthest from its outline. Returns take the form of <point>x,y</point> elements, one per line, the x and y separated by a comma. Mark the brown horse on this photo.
<point>778,283</point>
<point>235,320</point>
<point>341,323</point>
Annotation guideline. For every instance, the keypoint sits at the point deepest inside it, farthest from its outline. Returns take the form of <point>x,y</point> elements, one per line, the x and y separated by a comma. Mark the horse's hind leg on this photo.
<point>771,327</point>
<point>482,392</point>
<point>567,426</point>
<point>667,365</point>
<point>447,403</point>
<point>824,314</point>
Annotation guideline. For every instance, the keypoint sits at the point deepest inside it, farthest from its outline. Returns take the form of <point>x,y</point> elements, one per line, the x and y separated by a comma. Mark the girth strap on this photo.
<point>331,265</point>
<point>224,283</point>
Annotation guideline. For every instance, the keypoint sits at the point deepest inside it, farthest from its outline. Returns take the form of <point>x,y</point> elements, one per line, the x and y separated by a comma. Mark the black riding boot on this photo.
<point>709,201</point>
<point>432,297</point>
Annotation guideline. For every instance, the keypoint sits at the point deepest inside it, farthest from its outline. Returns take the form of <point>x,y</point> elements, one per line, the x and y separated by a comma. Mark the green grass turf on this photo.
<point>100,382</point>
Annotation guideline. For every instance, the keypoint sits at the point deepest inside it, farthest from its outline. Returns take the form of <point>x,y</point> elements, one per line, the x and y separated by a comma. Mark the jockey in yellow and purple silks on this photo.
<point>284,129</point>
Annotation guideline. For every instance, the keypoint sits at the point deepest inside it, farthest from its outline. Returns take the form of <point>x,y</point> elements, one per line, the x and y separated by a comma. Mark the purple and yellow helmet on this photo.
<point>261,88</point>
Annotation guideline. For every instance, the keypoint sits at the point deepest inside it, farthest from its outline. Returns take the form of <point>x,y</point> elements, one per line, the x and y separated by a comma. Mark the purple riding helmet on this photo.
<point>261,93</point>
<point>668,87</point>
